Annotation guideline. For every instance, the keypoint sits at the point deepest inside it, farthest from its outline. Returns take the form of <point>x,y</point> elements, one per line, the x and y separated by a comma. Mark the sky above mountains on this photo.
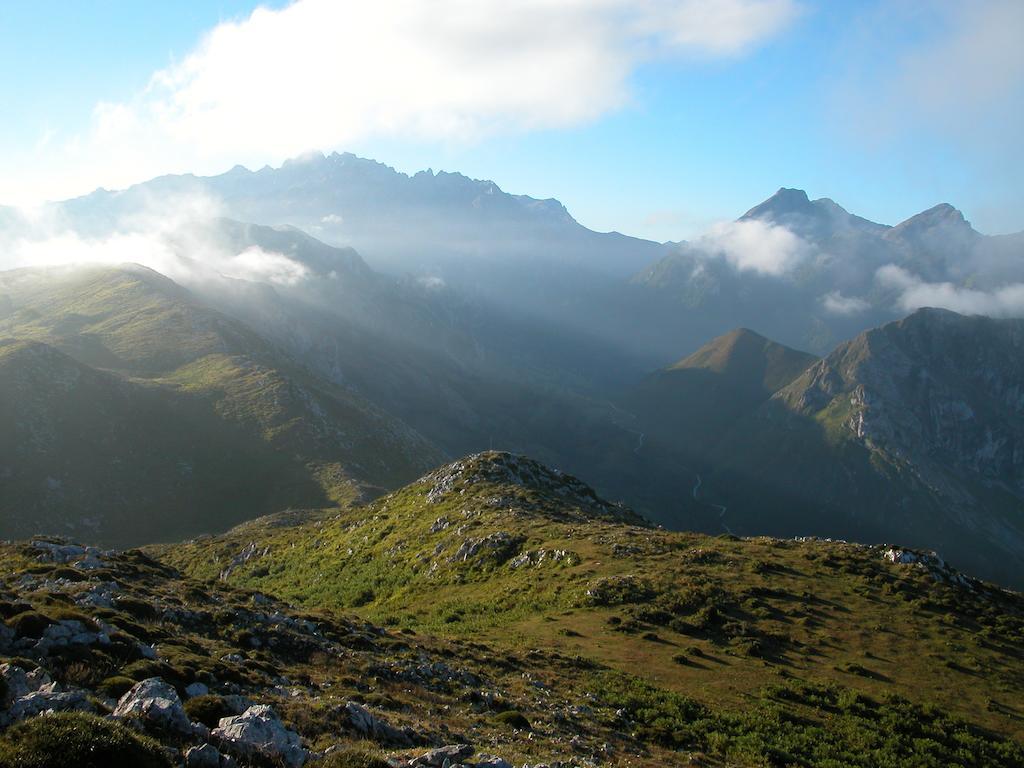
<point>657,118</point>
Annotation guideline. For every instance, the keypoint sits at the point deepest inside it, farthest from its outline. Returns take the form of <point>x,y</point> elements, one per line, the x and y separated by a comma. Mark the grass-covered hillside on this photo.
<point>133,413</point>
<point>752,651</point>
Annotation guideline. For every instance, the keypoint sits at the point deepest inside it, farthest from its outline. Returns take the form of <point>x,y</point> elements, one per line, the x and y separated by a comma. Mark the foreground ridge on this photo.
<point>672,636</point>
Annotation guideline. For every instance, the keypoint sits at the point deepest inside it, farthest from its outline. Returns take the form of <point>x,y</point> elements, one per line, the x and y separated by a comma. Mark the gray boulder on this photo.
<point>259,733</point>
<point>155,704</point>
<point>490,761</point>
<point>49,699</point>
<point>452,754</point>
<point>21,683</point>
<point>206,756</point>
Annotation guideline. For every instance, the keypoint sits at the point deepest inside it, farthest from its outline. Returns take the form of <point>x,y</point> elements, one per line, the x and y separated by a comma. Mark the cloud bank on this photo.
<point>319,74</point>
<point>836,303</point>
<point>914,293</point>
<point>753,245</point>
<point>175,238</point>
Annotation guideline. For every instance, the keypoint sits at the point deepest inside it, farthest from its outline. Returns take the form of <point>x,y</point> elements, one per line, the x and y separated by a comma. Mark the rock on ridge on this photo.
<point>503,468</point>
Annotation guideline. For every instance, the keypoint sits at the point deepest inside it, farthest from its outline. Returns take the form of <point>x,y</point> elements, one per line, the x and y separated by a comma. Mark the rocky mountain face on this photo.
<point>910,430</point>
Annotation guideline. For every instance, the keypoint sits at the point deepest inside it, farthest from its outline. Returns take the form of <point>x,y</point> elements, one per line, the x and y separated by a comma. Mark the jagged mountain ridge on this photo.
<point>909,431</point>
<point>833,291</point>
<point>411,223</point>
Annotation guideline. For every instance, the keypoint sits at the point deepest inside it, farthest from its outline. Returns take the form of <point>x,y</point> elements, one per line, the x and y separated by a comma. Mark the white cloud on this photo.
<point>432,282</point>
<point>838,304</point>
<point>753,245</point>
<point>264,266</point>
<point>174,238</point>
<point>914,293</point>
<point>324,73</point>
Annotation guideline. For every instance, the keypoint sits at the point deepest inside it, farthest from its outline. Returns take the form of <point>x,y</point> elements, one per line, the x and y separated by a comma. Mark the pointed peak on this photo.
<point>746,356</point>
<point>939,215</point>
<point>785,202</point>
<point>790,194</point>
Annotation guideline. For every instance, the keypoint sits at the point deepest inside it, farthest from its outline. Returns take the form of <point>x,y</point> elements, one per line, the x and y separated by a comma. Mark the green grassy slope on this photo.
<point>149,416</point>
<point>498,549</point>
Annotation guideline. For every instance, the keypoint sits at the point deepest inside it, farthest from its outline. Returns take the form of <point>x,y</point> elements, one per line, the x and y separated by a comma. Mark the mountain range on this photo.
<point>470,318</point>
<point>737,501</point>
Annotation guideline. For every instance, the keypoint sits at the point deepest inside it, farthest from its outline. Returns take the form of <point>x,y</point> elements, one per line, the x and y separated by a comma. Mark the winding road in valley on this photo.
<point>721,509</point>
<point>696,488</point>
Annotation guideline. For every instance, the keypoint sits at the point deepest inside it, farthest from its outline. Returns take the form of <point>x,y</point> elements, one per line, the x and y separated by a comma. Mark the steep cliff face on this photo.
<point>938,391</point>
<point>914,430</point>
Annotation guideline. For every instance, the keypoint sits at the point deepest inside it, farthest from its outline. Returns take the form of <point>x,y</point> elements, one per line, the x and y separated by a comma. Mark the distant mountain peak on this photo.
<point>941,215</point>
<point>742,350</point>
<point>785,202</point>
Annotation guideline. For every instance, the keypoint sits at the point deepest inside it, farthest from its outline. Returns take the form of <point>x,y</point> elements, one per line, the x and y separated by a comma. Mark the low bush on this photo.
<point>354,757</point>
<point>207,709</point>
<point>115,687</point>
<point>513,719</point>
<point>29,624</point>
<point>80,740</point>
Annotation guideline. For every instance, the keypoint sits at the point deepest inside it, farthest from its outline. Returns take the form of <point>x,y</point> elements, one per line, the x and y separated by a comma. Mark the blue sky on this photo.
<point>886,107</point>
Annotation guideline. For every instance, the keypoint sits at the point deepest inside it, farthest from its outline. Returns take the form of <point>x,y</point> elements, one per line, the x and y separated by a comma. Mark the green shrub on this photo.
<point>70,614</point>
<point>513,719</point>
<point>29,624</point>
<point>354,757</point>
<point>136,608</point>
<point>115,687</point>
<point>147,668</point>
<point>208,709</point>
<point>81,740</point>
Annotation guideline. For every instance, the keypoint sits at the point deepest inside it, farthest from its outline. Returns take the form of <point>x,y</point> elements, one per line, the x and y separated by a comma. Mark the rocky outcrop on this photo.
<point>500,468</point>
<point>258,733</point>
<point>156,705</point>
<point>496,548</point>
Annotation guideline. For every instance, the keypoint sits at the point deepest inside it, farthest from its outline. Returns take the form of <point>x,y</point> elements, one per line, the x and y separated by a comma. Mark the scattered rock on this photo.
<point>537,557</point>
<point>929,561</point>
<point>21,683</point>
<point>490,761</point>
<point>206,756</point>
<point>453,754</point>
<point>249,552</point>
